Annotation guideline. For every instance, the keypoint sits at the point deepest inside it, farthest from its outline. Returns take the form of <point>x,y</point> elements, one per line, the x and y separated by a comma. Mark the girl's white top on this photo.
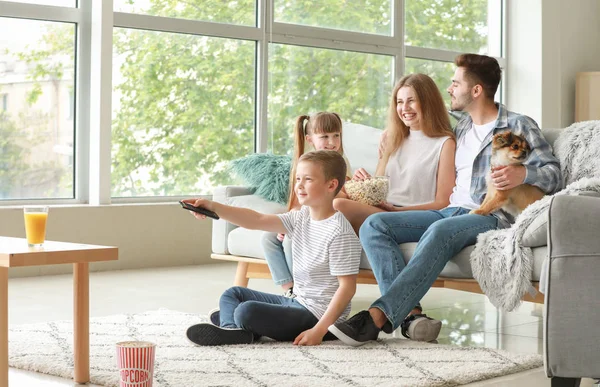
<point>412,170</point>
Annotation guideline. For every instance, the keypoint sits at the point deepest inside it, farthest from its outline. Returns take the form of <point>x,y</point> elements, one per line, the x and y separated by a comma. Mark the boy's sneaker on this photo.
<point>215,316</point>
<point>357,330</point>
<point>419,327</point>
<point>209,334</point>
<point>289,293</point>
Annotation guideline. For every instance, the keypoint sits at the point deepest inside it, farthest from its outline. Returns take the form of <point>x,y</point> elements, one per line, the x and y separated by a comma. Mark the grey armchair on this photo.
<point>572,307</point>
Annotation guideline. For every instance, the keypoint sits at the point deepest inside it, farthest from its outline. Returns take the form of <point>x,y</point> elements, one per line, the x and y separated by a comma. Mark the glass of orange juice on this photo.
<point>35,225</point>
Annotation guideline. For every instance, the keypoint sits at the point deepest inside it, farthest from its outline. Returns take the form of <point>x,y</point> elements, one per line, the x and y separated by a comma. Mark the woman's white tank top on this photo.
<point>412,170</point>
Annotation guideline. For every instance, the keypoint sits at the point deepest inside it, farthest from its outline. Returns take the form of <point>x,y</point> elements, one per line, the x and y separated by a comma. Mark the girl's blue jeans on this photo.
<point>278,256</point>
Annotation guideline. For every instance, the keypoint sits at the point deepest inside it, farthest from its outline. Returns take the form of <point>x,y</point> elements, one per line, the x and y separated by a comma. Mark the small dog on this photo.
<point>508,149</point>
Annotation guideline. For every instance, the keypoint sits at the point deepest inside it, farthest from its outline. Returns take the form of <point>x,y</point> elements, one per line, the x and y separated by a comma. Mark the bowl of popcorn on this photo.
<point>371,191</point>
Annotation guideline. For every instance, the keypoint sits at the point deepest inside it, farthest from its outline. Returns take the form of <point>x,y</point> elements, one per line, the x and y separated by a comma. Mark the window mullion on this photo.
<point>504,51</point>
<point>398,28</point>
<point>40,12</point>
<point>82,102</point>
<point>333,44</point>
<point>264,10</point>
<point>185,26</point>
<point>338,36</point>
<point>100,102</point>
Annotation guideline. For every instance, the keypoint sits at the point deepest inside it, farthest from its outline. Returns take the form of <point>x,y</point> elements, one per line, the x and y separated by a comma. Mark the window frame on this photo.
<point>96,20</point>
<point>75,16</point>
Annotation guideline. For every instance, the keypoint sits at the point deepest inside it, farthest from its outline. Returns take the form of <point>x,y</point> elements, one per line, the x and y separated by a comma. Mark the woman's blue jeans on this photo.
<point>440,236</point>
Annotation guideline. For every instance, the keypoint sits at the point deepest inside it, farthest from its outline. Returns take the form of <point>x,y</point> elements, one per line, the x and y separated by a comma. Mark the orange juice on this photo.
<point>35,227</point>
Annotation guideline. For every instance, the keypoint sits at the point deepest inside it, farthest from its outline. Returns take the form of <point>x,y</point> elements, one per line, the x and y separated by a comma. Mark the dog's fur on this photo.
<point>508,149</point>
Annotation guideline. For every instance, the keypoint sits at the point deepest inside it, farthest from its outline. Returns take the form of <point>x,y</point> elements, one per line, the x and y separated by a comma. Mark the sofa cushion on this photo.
<point>267,173</point>
<point>360,146</point>
<point>536,234</point>
<point>460,266</point>
<point>551,135</point>
<point>245,243</point>
<point>253,202</point>
<point>256,203</point>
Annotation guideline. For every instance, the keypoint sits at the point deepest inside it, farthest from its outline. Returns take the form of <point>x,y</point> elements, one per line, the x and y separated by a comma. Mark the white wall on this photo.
<point>147,235</point>
<point>524,57</point>
<point>578,26</point>
<point>549,41</point>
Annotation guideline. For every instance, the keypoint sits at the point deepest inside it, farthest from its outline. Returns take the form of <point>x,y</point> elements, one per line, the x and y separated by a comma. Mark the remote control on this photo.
<point>199,210</point>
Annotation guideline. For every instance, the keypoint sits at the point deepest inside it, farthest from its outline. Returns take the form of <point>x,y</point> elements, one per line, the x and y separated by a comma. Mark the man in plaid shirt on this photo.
<point>442,234</point>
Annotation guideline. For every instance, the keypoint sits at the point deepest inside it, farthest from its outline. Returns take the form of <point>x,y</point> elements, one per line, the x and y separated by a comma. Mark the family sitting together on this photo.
<point>437,183</point>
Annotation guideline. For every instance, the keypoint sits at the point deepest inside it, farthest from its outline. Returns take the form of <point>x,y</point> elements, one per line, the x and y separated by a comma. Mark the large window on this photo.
<point>440,72</point>
<point>183,108</point>
<point>456,25</point>
<point>374,17</point>
<point>155,103</point>
<point>61,3</point>
<point>235,12</point>
<point>355,85</point>
<point>36,90</point>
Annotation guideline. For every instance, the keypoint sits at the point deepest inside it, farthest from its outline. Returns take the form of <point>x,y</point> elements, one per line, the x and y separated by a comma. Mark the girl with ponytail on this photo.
<point>321,131</point>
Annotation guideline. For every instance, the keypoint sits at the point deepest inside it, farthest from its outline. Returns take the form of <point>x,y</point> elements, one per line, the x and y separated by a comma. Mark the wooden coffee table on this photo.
<point>14,252</point>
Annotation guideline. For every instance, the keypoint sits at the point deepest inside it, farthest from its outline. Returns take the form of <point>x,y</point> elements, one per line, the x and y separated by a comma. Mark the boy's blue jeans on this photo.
<point>264,314</point>
<point>440,236</point>
<point>279,257</point>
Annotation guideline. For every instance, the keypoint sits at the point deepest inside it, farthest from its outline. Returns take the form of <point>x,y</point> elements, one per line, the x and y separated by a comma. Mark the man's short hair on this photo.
<point>481,69</point>
<point>332,164</point>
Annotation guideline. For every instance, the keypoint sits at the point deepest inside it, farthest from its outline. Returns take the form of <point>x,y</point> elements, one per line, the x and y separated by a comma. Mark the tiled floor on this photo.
<point>469,319</point>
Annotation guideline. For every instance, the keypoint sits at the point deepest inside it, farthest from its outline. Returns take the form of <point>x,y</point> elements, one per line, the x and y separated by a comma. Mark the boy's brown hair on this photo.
<point>332,164</point>
<point>481,70</point>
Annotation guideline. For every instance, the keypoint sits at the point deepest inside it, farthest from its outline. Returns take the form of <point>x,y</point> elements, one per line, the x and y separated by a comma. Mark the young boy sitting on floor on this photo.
<point>326,257</point>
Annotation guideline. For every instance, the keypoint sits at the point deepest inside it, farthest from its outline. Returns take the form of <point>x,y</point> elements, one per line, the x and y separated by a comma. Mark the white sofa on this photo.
<point>360,146</point>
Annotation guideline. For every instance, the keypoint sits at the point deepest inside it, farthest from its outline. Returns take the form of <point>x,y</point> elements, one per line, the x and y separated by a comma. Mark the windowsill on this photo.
<point>117,202</point>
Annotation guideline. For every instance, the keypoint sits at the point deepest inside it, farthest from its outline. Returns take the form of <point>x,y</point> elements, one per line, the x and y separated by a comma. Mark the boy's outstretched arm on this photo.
<point>339,302</point>
<point>242,217</point>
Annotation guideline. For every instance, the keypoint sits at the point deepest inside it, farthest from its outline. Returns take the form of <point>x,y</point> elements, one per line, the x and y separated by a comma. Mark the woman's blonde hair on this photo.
<point>435,121</point>
<point>322,122</point>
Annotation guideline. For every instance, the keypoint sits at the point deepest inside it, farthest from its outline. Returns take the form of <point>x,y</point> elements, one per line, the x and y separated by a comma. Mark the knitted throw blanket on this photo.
<point>500,264</point>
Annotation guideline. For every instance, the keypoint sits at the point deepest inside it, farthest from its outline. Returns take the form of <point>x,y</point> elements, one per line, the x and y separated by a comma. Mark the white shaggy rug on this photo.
<point>48,348</point>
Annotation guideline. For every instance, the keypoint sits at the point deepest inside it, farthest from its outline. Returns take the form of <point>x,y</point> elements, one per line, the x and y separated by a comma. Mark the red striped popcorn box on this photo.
<point>136,363</point>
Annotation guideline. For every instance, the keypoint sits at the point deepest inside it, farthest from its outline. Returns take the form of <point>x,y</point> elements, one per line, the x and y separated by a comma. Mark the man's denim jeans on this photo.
<point>278,256</point>
<point>441,235</point>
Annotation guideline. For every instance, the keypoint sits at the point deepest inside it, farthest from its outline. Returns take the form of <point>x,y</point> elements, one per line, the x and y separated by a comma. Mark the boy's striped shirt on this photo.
<point>321,251</point>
